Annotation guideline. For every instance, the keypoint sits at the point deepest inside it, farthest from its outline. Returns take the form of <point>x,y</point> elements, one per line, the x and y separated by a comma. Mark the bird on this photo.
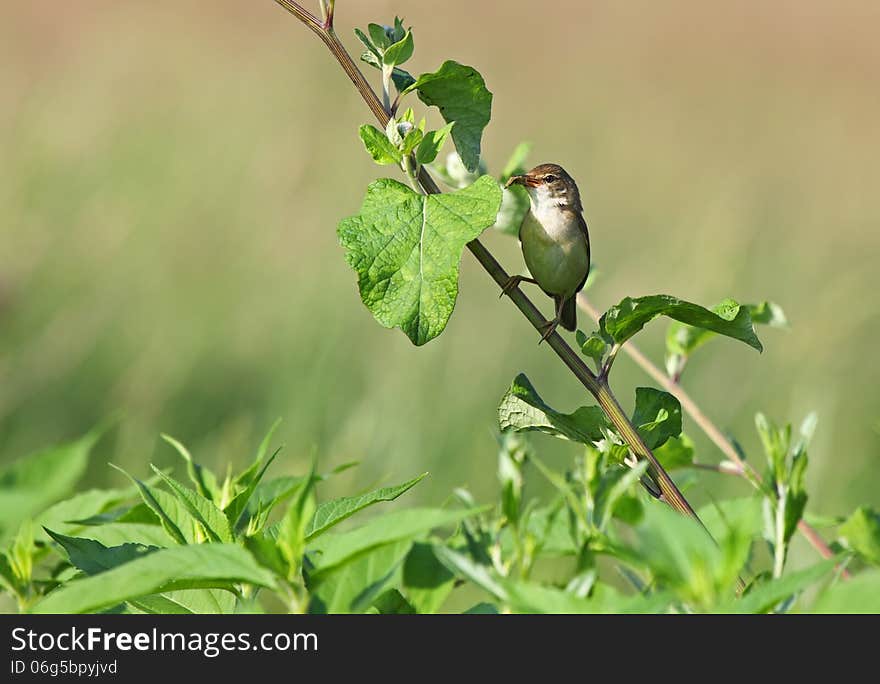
<point>555,241</point>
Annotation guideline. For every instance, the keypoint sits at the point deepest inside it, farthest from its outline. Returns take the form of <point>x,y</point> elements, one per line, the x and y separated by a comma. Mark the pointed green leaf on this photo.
<point>624,320</point>
<point>204,511</point>
<point>431,144</point>
<point>178,523</point>
<point>523,409</point>
<point>379,146</point>
<point>332,549</point>
<point>333,512</point>
<point>238,506</point>
<point>406,250</point>
<point>379,36</point>
<point>460,94</point>
<point>93,557</point>
<point>399,52</point>
<point>203,479</point>
<point>353,586</point>
<point>292,531</point>
<point>196,566</point>
<point>368,43</point>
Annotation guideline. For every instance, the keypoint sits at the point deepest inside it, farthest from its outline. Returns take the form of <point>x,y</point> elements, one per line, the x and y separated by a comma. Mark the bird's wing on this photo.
<point>582,224</point>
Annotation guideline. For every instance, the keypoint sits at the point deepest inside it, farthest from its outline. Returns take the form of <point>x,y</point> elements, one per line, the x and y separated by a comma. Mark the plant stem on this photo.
<point>711,430</point>
<point>599,389</point>
<point>779,546</point>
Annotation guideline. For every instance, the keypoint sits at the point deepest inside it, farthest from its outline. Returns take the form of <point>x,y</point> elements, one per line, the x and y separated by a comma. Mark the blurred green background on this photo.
<point>171,176</point>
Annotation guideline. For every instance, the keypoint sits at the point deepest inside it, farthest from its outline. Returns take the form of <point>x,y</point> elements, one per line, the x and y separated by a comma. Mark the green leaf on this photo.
<point>657,416</point>
<point>426,581</point>
<point>616,482</point>
<point>682,340</point>
<point>431,144</point>
<point>196,566</point>
<point>333,549</point>
<point>379,36</point>
<point>765,596</point>
<point>93,557</point>
<point>860,595</point>
<point>292,531</point>
<point>624,320</point>
<point>353,586</point>
<point>460,94</point>
<point>204,480</point>
<point>861,533</point>
<point>402,79</point>
<point>399,52</point>
<point>247,475</point>
<point>523,409</point>
<point>406,250</point>
<point>368,43</point>
<point>118,533</point>
<point>213,521</point>
<point>465,567</point>
<point>676,452</point>
<point>188,601</point>
<point>30,484</point>
<point>176,520</point>
<point>412,140</point>
<point>237,508</point>
<point>683,557</point>
<point>333,512</point>
<point>594,346</point>
<point>377,144</point>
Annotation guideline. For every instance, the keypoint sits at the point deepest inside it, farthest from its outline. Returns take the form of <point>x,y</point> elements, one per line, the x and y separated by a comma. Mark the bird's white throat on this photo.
<point>552,209</point>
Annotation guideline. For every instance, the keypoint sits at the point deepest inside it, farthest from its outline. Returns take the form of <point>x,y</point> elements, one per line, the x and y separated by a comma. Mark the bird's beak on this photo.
<point>526,180</point>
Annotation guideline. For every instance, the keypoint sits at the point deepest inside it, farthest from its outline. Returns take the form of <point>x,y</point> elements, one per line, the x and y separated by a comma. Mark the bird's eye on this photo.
<point>549,178</point>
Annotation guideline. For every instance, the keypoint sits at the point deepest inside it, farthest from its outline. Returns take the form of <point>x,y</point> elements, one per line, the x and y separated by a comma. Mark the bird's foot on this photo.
<point>548,328</point>
<point>514,281</point>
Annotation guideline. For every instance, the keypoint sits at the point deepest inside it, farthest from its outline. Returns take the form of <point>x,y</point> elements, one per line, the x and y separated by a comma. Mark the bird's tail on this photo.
<point>569,314</point>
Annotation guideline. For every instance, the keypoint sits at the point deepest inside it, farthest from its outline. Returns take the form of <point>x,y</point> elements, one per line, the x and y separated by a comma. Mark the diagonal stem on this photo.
<point>743,469</point>
<point>598,388</point>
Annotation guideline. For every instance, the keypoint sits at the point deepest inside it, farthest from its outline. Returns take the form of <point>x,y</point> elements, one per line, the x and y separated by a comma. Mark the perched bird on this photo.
<point>554,241</point>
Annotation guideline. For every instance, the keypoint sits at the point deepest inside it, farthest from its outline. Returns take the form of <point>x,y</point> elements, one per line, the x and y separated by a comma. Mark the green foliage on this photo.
<point>861,533</point>
<point>683,340</point>
<point>460,93</point>
<point>523,409</point>
<point>406,249</point>
<point>624,320</point>
<point>164,547</point>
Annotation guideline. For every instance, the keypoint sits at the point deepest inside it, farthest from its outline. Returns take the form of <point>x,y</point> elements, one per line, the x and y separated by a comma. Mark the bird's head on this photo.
<point>549,185</point>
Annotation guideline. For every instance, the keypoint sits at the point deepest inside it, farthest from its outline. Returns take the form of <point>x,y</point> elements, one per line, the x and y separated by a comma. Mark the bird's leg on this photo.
<point>549,327</point>
<point>514,281</point>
